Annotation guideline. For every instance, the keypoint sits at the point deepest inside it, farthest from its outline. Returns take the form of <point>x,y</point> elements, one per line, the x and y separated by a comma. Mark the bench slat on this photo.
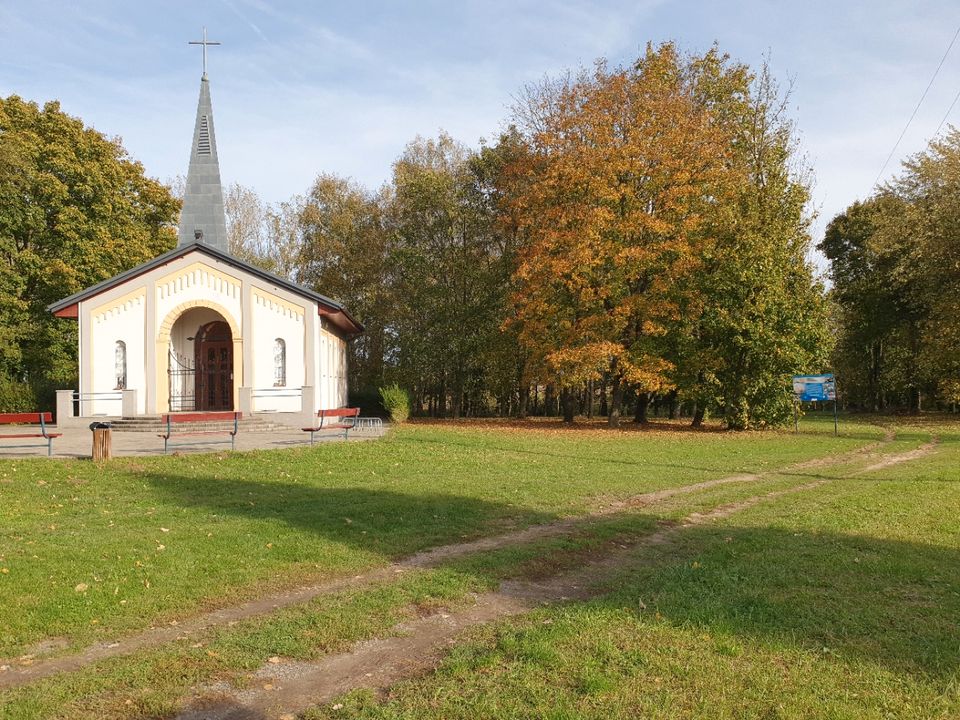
<point>198,432</point>
<point>227,416</point>
<point>14,418</point>
<point>339,412</point>
<point>26,435</point>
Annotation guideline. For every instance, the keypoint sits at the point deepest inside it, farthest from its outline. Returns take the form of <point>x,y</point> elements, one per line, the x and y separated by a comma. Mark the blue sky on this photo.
<point>306,87</point>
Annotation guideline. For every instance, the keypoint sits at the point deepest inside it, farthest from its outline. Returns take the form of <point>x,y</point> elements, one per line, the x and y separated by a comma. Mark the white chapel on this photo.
<point>196,329</point>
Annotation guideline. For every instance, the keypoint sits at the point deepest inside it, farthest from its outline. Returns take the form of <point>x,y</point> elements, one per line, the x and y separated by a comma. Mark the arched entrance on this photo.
<point>201,362</point>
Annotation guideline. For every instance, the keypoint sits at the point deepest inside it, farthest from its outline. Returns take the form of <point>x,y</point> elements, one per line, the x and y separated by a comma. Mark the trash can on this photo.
<point>102,448</point>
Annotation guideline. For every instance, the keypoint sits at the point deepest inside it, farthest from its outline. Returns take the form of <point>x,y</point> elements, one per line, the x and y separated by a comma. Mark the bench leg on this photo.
<point>49,447</point>
<point>233,445</point>
<point>165,441</point>
<point>311,437</point>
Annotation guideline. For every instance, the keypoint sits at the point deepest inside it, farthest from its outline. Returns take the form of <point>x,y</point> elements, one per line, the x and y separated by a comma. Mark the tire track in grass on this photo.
<point>282,689</point>
<point>26,669</point>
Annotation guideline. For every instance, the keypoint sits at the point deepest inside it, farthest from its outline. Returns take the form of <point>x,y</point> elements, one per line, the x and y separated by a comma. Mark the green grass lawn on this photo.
<point>88,552</point>
<point>842,602</point>
<point>838,602</point>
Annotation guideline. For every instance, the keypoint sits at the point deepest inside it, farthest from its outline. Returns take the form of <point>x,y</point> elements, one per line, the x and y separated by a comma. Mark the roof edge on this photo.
<point>180,250</point>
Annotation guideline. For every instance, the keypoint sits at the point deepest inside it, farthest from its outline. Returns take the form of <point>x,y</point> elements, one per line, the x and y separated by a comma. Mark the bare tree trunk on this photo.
<point>523,400</point>
<point>673,405</point>
<point>616,404</point>
<point>643,402</point>
<point>698,413</point>
<point>550,408</point>
<point>568,401</point>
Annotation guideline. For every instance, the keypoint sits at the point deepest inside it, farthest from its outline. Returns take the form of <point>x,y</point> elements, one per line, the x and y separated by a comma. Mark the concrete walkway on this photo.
<point>78,442</point>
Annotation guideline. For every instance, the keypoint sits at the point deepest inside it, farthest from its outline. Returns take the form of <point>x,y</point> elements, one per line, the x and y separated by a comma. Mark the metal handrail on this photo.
<point>114,395</point>
<point>277,392</point>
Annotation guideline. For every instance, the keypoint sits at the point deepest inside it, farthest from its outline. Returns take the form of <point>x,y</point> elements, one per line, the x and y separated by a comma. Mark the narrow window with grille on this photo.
<point>120,364</point>
<point>279,363</point>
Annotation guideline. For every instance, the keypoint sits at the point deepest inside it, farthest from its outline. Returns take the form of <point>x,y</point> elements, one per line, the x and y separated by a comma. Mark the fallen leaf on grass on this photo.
<point>275,659</point>
<point>81,587</point>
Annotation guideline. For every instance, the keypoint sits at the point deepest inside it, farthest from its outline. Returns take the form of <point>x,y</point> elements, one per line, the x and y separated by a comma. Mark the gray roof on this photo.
<point>202,217</point>
<point>216,254</point>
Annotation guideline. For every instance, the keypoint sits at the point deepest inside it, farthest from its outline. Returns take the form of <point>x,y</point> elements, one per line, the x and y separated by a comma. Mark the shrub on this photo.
<point>16,396</point>
<point>396,401</point>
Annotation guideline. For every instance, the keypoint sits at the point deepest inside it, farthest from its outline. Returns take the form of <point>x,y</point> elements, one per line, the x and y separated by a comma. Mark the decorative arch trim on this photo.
<point>166,327</point>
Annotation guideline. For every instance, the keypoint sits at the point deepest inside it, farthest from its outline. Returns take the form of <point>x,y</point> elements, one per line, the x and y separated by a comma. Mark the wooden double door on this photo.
<point>213,353</point>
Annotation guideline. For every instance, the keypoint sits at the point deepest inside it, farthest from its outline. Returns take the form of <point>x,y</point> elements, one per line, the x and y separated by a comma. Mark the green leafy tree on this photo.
<point>897,283</point>
<point>763,314</point>
<point>447,279</point>
<point>343,253</point>
<point>873,313</point>
<point>498,173</point>
<point>74,209</point>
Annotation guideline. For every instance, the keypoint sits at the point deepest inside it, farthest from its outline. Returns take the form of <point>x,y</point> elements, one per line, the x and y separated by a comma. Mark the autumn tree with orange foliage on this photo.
<point>629,167</point>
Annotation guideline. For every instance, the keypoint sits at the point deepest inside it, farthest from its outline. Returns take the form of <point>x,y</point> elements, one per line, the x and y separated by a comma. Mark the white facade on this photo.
<point>286,353</point>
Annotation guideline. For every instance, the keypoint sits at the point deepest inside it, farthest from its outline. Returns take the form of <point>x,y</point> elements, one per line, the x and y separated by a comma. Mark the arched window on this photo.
<point>279,363</point>
<point>120,364</point>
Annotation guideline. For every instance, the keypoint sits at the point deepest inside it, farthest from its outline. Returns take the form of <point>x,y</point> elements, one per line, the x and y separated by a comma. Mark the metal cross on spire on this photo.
<point>203,42</point>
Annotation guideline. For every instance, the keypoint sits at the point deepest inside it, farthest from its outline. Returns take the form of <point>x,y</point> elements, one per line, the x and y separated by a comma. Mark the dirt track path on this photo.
<point>281,690</point>
<point>20,674</point>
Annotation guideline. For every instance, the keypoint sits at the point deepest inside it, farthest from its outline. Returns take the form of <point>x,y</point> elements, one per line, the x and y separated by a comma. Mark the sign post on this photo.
<point>817,388</point>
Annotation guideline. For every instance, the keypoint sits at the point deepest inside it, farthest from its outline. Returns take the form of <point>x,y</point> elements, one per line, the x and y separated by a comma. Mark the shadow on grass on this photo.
<point>391,523</point>
<point>889,602</point>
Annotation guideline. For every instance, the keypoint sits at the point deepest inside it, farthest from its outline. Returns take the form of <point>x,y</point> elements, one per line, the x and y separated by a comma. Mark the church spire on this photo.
<point>202,218</point>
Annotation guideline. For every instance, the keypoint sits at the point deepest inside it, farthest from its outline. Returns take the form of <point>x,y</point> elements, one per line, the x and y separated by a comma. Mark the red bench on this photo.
<point>32,421</point>
<point>341,420</point>
<point>197,418</point>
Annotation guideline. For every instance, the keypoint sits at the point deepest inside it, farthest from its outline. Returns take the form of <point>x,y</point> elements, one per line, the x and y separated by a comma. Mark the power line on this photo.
<point>914,113</point>
<point>949,110</point>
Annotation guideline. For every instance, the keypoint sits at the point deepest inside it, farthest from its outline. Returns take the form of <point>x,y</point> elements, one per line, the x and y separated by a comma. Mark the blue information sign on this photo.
<point>810,388</point>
